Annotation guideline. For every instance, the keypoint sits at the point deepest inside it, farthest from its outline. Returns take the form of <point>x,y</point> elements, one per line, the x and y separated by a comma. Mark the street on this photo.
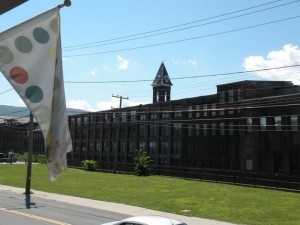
<point>16,209</point>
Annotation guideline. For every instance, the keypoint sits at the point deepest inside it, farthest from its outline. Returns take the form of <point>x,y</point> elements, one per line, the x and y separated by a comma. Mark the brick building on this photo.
<point>246,125</point>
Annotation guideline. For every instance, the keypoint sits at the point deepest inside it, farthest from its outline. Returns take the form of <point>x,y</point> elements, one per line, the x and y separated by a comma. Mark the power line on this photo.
<point>175,26</point>
<point>186,39</point>
<point>181,78</point>
<point>171,31</point>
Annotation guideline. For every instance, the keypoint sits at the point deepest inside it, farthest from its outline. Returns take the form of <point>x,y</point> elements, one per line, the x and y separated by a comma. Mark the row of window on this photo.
<point>131,146</point>
<point>275,123</point>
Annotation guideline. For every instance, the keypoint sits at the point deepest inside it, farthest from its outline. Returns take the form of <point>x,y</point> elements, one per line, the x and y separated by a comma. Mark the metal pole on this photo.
<point>29,162</point>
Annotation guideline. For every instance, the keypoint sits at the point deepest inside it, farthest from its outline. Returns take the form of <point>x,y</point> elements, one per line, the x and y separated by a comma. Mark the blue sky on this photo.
<point>203,38</point>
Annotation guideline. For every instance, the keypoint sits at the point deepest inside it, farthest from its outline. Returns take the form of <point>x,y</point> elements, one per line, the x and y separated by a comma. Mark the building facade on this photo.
<point>246,125</point>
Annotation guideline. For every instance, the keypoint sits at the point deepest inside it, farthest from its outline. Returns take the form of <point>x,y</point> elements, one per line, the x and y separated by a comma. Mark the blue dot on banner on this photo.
<point>34,94</point>
<point>41,35</point>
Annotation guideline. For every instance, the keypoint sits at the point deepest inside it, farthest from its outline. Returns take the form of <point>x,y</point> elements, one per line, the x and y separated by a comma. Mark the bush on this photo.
<point>89,165</point>
<point>142,161</point>
<point>41,159</point>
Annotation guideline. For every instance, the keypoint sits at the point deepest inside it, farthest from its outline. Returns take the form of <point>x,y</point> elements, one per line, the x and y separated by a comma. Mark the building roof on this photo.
<point>162,77</point>
<point>7,5</point>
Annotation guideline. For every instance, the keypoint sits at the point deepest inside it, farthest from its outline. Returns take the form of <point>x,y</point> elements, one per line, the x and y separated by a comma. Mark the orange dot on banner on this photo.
<point>19,75</point>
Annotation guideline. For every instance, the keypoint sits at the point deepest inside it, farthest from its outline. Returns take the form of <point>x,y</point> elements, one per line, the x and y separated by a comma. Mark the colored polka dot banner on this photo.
<point>30,59</point>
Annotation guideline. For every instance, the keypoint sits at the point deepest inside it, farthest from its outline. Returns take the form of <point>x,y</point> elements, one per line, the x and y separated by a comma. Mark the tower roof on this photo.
<point>162,77</point>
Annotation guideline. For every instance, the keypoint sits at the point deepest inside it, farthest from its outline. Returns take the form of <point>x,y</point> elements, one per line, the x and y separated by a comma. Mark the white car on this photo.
<point>147,220</point>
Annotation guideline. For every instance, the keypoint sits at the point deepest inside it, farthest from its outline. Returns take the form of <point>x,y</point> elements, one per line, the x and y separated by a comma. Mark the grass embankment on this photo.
<point>236,204</point>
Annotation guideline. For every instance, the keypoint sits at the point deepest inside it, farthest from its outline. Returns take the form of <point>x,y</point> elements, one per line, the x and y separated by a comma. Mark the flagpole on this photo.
<point>29,161</point>
<point>66,3</point>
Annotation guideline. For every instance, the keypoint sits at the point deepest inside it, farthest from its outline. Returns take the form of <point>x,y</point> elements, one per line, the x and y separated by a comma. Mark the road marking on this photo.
<point>33,216</point>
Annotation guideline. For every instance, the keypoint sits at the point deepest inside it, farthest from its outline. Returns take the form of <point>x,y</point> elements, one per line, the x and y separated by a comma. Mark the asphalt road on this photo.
<point>15,209</point>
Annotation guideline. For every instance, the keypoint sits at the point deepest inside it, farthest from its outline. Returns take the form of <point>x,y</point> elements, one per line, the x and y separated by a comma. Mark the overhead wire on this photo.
<point>172,27</point>
<point>185,39</point>
<point>180,29</point>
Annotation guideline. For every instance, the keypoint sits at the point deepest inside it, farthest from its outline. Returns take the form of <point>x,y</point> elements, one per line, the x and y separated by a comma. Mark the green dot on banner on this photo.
<point>23,44</point>
<point>54,25</point>
<point>34,94</point>
<point>6,55</point>
<point>41,35</point>
<point>52,53</point>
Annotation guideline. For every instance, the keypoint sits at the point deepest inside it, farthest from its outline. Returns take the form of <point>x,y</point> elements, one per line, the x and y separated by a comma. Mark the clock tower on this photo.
<point>162,85</point>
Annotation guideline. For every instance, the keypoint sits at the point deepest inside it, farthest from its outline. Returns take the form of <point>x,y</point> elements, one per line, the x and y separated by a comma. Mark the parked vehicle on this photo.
<point>147,220</point>
<point>3,157</point>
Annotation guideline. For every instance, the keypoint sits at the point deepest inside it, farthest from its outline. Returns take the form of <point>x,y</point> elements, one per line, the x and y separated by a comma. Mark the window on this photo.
<point>122,146</point>
<point>277,123</point>
<point>143,117</point>
<point>142,145</point>
<point>197,130</point>
<point>197,111</point>
<point>190,130</point>
<point>85,120</point>
<point>152,146</point>
<point>176,147</point>
<point>222,97</point>
<point>153,116</point>
<point>79,121</point>
<point>133,115</point>
<point>213,129</point>
<point>222,129</point>
<point>165,115</point>
<point>114,147</point>
<point>231,128</point>
<point>164,147</point>
<point>294,123</point>
<point>164,130</point>
<point>249,164</point>
<point>249,124</point>
<point>153,131</point>
<point>98,147</point>
<point>157,96</point>
<point>230,96</point>
<point>205,110</point>
<point>177,114</point>
<point>263,123</point>
<point>204,129</point>
<point>176,129</point>
<point>213,109</point>
<point>238,95</point>
<point>142,131</point>
<point>123,117</point>
<point>190,110</point>
<point>132,146</point>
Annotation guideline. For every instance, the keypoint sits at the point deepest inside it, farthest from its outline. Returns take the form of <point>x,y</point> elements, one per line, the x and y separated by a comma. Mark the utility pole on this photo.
<point>121,98</point>
<point>117,147</point>
<point>30,147</point>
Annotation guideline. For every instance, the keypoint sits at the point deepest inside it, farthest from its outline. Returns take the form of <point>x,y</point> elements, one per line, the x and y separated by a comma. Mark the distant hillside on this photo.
<point>15,111</point>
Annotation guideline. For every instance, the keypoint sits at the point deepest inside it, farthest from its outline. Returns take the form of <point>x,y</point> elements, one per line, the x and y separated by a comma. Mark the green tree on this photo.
<point>142,161</point>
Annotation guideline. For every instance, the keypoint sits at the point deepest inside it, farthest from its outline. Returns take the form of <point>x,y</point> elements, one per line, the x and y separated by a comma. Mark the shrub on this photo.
<point>142,161</point>
<point>90,165</point>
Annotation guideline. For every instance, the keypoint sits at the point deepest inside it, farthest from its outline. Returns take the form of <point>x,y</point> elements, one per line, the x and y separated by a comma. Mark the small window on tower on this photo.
<point>157,96</point>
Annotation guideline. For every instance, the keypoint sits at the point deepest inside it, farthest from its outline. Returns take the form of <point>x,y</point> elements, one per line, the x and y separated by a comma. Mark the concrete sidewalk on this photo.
<point>113,207</point>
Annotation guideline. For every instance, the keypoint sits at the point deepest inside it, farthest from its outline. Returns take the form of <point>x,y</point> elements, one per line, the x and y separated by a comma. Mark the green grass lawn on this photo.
<point>236,204</point>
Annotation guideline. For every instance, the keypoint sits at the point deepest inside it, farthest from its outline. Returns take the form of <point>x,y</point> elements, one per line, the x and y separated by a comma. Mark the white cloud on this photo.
<point>80,104</point>
<point>122,63</point>
<point>192,62</point>
<point>93,72</point>
<point>288,55</point>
